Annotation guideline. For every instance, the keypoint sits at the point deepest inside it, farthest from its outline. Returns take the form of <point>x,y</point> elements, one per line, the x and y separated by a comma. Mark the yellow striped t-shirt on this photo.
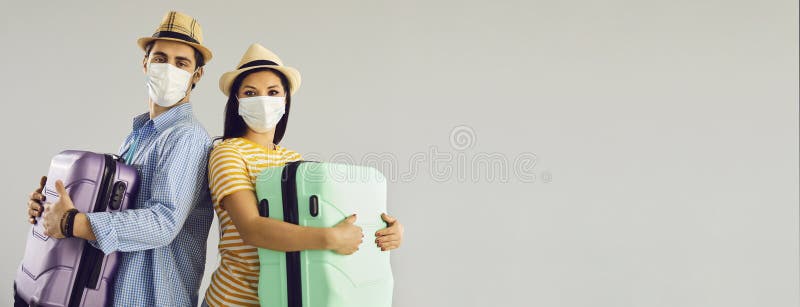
<point>233,166</point>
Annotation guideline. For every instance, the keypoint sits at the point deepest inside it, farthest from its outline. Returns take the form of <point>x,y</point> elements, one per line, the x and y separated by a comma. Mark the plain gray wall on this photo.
<point>665,133</point>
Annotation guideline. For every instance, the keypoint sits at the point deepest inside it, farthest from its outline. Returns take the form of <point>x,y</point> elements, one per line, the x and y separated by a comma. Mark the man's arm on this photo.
<point>178,184</point>
<point>82,229</point>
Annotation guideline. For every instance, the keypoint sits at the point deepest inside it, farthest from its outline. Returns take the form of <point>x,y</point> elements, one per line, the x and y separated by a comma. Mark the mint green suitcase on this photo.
<point>321,195</point>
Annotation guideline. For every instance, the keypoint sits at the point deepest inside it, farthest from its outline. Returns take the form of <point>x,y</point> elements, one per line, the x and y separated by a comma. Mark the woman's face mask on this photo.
<point>262,113</point>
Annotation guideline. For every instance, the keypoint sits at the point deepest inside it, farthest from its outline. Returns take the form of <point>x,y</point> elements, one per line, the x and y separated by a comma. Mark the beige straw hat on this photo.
<point>259,57</point>
<point>182,28</point>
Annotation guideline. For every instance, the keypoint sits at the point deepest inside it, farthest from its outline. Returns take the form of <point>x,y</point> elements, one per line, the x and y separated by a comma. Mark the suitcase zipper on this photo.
<point>93,257</point>
<point>294,291</point>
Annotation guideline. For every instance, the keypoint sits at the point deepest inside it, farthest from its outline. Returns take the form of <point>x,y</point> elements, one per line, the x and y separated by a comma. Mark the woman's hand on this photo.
<point>390,237</point>
<point>345,236</point>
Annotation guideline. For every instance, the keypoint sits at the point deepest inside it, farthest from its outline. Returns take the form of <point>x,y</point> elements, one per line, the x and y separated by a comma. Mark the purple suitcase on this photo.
<point>71,272</point>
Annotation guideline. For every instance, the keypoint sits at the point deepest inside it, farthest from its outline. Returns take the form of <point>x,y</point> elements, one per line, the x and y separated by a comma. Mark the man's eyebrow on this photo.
<point>159,53</point>
<point>180,58</point>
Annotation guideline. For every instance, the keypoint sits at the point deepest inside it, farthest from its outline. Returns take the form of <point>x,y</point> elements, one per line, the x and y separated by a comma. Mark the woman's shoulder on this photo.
<point>231,145</point>
<point>288,154</point>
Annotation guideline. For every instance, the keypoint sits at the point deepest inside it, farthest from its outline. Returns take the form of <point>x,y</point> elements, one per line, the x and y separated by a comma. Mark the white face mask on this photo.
<point>262,113</point>
<point>166,84</point>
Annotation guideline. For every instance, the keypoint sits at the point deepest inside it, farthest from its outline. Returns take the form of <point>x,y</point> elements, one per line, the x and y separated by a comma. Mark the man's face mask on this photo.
<point>166,84</point>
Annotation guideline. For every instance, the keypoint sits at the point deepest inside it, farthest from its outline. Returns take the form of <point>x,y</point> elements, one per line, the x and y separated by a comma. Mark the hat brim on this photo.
<point>144,41</point>
<point>292,75</point>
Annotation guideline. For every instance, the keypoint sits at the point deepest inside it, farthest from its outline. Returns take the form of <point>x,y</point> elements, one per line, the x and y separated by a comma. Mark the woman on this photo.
<point>259,98</point>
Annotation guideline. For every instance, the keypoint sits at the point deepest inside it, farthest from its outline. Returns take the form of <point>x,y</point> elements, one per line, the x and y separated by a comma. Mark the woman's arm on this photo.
<point>273,234</point>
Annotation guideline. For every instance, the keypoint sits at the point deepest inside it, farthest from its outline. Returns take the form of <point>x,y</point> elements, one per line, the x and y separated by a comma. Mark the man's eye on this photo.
<point>158,60</point>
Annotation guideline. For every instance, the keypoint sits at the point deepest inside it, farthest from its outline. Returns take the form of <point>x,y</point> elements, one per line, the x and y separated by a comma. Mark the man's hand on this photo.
<point>35,201</point>
<point>390,237</point>
<point>53,213</point>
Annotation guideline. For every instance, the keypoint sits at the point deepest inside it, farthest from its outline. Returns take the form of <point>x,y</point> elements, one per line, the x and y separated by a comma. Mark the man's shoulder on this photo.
<point>190,129</point>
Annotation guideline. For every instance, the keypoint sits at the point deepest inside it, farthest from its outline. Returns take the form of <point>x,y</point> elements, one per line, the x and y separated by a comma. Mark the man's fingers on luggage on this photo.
<point>36,196</point>
<point>42,182</point>
<point>44,226</point>
<point>62,191</point>
<point>33,205</point>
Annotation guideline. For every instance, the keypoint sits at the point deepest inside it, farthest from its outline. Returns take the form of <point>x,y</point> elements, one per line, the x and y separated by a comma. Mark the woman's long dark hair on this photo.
<point>234,123</point>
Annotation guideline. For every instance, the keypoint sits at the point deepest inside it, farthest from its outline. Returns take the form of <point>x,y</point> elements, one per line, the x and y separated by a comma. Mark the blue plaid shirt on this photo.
<point>162,237</point>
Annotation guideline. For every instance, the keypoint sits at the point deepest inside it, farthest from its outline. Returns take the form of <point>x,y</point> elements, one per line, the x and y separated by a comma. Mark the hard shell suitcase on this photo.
<point>70,271</point>
<point>322,195</point>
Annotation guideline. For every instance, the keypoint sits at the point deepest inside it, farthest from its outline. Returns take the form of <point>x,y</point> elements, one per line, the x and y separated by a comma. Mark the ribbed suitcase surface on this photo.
<point>322,195</point>
<point>71,272</point>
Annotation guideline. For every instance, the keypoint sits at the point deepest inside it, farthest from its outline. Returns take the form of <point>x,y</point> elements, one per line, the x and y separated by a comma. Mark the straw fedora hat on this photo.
<point>182,28</point>
<point>259,57</point>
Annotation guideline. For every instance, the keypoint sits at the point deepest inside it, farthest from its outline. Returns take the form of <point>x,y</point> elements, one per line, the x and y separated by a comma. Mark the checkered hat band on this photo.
<point>176,35</point>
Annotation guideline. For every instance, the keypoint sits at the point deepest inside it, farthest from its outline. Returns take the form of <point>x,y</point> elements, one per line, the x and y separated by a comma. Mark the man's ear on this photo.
<point>144,65</point>
<point>197,75</point>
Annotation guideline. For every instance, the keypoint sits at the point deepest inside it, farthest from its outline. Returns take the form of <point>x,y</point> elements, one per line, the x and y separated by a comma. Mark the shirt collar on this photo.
<point>166,119</point>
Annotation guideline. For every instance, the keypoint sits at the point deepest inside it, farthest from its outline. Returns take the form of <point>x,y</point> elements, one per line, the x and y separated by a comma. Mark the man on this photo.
<point>162,238</point>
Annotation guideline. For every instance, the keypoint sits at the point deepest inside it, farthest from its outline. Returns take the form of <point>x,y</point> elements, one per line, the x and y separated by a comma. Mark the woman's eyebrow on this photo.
<point>255,88</point>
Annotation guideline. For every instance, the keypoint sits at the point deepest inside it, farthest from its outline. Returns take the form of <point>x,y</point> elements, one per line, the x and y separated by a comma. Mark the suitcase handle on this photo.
<point>263,208</point>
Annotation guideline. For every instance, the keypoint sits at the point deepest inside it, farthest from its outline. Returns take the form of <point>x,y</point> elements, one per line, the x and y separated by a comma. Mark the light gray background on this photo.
<point>666,133</point>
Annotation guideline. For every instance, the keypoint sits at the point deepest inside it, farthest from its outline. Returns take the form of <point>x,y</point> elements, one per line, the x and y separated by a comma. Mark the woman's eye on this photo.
<point>249,93</point>
<point>273,93</point>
